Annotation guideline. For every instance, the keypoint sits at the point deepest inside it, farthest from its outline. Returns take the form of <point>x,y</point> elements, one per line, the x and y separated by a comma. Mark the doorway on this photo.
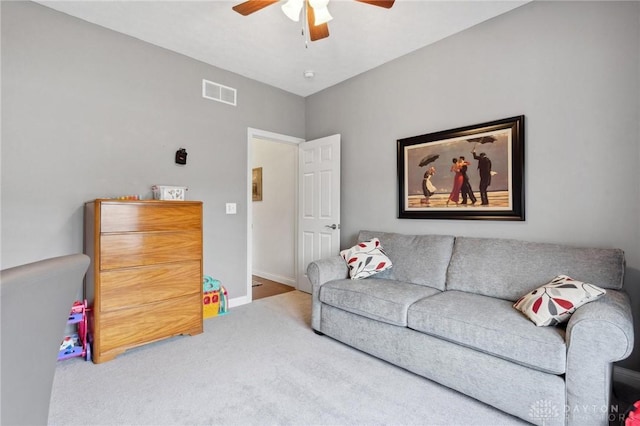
<point>263,288</point>
<point>272,228</point>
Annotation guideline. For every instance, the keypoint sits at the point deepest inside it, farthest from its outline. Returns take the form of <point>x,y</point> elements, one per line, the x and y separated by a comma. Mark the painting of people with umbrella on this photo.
<point>443,175</point>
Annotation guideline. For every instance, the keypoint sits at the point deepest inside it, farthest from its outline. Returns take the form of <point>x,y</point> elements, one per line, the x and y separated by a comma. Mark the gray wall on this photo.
<point>88,112</point>
<point>571,68</point>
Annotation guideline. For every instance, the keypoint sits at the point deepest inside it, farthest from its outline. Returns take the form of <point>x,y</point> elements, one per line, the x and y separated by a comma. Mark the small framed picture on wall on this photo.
<point>256,184</point>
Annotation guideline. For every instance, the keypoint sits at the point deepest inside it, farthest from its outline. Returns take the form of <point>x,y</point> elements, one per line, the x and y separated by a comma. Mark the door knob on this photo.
<point>332,226</point>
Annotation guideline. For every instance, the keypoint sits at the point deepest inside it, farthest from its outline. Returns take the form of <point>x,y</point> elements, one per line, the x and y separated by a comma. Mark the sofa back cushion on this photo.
<point>508,269</point>
<point>417,259</point>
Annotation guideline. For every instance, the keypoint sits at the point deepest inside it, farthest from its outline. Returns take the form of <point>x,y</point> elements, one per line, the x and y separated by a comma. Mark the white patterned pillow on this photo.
<point>554,302</point>
<point>365,259</point>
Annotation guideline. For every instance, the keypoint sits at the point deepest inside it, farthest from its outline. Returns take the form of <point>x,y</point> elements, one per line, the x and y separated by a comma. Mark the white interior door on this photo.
<point>318,203</point>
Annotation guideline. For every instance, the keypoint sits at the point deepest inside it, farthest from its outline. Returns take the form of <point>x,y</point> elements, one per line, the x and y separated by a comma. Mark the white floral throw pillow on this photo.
<point>365,259</point>
<point>554,302</point>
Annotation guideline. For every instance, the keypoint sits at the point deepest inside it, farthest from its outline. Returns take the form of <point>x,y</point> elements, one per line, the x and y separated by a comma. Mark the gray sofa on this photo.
<point>445,311</point>
<point>36,300</point>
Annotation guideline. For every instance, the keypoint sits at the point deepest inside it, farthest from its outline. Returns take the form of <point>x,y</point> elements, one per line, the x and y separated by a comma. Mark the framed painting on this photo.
<point>472,172</point>
<point>256,184</point>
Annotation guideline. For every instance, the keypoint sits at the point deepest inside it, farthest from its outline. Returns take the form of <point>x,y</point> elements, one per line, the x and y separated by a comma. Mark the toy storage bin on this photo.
<point>166,192</point>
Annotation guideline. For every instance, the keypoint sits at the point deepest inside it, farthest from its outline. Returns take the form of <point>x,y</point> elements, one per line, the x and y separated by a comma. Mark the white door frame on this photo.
<point>269,137</point>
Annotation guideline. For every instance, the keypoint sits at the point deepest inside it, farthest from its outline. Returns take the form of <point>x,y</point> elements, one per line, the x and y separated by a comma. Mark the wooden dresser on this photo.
<point>145,279</point>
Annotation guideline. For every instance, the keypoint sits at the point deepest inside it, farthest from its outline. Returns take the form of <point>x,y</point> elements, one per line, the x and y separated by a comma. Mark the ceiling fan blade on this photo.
<point>381,3</point>
<point>316,32</point>
<point>250,6</point>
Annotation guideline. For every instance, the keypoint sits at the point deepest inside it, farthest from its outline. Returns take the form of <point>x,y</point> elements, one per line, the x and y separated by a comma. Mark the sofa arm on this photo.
<point>328,269</point>
<point>598,334</point>
<point>320,272</point>
<point>36,299</point>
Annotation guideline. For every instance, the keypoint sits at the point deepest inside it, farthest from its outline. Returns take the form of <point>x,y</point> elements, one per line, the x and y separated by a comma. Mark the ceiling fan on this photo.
<point>317,12</point>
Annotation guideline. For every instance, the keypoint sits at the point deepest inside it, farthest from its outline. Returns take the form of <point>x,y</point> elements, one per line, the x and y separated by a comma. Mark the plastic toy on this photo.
<point>210,297</point>
<point>632,416</point>
<point>76,344</point>
<point>224,301</point>
<point>214,298</point>
<point>67,344</point>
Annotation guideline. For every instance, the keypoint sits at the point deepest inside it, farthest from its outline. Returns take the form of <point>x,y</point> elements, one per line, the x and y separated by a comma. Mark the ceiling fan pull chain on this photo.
<point>302,32</point>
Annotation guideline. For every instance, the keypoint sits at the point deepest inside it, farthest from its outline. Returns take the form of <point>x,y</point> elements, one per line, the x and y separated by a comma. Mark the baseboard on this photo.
<point>238,301</point>
<point>277,278</point>
<point>626,376</point>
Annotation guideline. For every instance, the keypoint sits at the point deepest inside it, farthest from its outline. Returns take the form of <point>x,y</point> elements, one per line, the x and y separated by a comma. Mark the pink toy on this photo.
<point>76,344</point>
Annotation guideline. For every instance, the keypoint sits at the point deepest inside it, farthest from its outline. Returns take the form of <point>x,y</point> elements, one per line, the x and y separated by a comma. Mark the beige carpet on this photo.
<point>259,365</point>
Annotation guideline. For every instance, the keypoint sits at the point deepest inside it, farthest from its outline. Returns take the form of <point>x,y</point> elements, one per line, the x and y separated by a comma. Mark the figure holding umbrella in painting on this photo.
<point>484,167</point>
<point>428,189</point>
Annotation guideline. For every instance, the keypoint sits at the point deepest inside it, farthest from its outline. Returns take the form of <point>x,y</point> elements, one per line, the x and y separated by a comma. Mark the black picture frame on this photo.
<point>427,191</point>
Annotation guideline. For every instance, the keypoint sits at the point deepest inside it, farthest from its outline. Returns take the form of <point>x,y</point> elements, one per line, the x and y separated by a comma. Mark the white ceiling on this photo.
<point>268,47</point>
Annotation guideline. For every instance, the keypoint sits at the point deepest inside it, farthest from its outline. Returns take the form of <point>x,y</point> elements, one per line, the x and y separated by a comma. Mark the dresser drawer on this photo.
<point>150,216</point>
<point>124,288</point>
<point>127,328</point>
<point>149,248</point>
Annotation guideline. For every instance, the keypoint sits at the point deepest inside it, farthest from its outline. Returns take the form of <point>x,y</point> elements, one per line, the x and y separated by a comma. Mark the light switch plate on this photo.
<point>231,208</point>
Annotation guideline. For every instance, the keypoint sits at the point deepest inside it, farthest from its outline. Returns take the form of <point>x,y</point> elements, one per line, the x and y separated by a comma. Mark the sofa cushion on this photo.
<point>417,259</point>
<point>507,269</point>
<point>365,259</point>
<point>492,326</point>
<point>554,302</point>
<point>378,299</point>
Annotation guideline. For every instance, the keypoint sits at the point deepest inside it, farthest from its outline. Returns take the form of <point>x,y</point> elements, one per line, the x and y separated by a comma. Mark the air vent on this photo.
<point>218,92</point>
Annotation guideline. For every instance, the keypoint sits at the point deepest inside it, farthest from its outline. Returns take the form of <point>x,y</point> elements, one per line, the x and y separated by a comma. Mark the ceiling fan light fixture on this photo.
<point>322,16</point>
<point>292,9</point>
<point>316,12</point>
<point>321,12</point>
